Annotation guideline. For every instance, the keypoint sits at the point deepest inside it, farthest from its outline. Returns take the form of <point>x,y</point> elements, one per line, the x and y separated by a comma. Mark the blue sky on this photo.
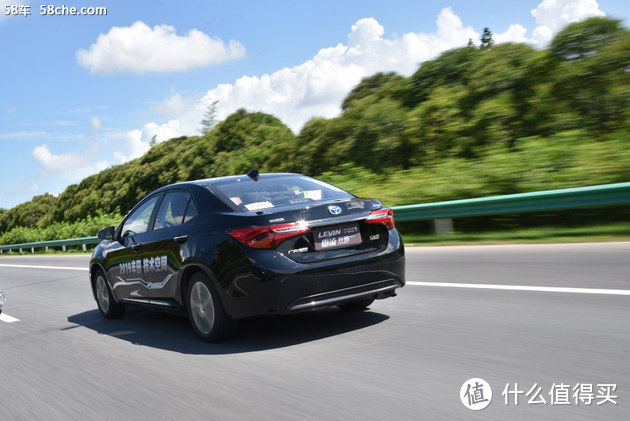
<point>82,93</point>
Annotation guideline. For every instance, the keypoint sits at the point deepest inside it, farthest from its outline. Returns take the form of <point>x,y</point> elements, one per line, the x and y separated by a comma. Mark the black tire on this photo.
<point>109,308</point>
<point>357,305</point>
<point>205,311</point>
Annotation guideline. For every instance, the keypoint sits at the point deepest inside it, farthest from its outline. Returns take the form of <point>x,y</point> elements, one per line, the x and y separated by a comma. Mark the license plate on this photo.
<point>337,236</point>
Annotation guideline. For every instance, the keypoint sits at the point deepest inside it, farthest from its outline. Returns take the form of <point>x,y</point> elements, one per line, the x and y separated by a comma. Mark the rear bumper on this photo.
<point>273,292</point>
<point>382,289</point>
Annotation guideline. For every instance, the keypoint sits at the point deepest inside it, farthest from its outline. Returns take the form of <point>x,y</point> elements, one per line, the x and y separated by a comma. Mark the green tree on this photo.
<point>31,213</point>
<point>451,68</point>
<point>486,39</point>
<point>209,118</point>
<point>379,86</point>
<point>436,125</point>
<point>590,73</point>
<point>252,140</point>
<point>314,141</point>
<point>469,123</point>
<point>377,139</point>
<point>499,93</point>
<point>583,39</point>
<point>504,68</point>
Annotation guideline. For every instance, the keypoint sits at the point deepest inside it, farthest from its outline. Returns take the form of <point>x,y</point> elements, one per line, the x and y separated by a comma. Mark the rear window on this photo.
<point>273,192</point>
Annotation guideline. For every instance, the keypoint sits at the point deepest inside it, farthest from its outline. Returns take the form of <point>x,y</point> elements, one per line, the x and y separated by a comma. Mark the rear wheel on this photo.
<point>109,308</point>
<point>207,316</point>
<point>357,305</point>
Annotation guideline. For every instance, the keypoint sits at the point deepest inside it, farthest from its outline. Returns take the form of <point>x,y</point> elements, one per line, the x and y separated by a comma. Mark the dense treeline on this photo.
<point>473,122</point>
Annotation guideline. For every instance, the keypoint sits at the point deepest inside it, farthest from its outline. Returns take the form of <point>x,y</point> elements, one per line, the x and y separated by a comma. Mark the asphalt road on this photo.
<point>406,358</point>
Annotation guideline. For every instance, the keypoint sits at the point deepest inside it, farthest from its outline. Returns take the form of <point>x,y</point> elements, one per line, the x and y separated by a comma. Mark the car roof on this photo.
<point>217,180</point>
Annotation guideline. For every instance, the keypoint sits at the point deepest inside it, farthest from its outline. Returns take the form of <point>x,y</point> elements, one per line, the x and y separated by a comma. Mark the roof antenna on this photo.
<point>254,175</point>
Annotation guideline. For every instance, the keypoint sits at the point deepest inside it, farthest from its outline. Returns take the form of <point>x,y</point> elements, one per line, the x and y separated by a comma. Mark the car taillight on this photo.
<point>383,216</point>
<point>268,237</point>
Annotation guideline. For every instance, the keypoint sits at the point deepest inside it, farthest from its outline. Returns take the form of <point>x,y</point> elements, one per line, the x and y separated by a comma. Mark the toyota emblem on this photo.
<point>334,210</point>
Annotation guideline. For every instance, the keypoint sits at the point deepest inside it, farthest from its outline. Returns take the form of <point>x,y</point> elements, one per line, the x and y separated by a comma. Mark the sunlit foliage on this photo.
<point>472,122</point>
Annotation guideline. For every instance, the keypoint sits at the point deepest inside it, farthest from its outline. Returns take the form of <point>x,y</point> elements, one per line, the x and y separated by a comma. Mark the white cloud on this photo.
<point>135,146</point>
<point>42,135</point>
<point>84,110</point>
<point>515,33</point>
<point>60,123</point>
<point>72,166</point>
<point>25,188</point>
<point>139,49</point>
<point>95,124</point>
<point>318,86</point>
<point>553,15</point>
<point>139,141</point>
<point>24,135</point>
<point>175,104</point>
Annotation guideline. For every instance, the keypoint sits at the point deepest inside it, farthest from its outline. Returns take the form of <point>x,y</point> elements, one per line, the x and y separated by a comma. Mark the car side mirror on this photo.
<point>106,233</point>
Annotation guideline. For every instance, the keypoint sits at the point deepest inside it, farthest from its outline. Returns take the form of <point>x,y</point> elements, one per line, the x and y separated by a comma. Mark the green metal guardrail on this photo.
<point>581,197</point>
<point>83,241</point>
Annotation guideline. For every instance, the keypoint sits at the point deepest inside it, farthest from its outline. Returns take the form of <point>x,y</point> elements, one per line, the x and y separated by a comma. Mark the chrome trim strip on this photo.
<point>335,220</point>
<point>136,300</point>
<point>132,281</point>
<point>161,303</point>
<point>148,285</point>
<point>340,298</point>
<point>159,285</point>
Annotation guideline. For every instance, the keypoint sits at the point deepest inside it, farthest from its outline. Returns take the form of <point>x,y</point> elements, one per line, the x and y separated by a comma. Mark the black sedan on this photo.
<point>227,248</point>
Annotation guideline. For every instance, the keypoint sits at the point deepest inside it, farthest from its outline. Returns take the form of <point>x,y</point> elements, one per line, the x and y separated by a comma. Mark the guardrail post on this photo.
<point>63,248</point>
<point>32,250</point>
<point>443,226</point>
<point>46,248</point>
<point>84,247</point>
<point>20,250</point>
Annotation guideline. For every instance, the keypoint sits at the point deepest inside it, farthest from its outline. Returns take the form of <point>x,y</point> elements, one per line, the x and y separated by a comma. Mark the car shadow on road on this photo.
<point>174,333</point>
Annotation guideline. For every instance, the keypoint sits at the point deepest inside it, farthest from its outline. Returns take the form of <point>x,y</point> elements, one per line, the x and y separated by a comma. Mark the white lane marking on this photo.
<point>8,319</point>
<point>41,267</point>
<point>523,288</point>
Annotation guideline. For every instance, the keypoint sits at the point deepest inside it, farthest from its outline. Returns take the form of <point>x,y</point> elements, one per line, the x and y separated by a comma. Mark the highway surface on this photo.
<point>467,312</point>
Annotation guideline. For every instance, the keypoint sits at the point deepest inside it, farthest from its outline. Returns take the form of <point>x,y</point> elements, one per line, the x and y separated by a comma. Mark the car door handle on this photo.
<point>180,239</point>
<point>136,248</point>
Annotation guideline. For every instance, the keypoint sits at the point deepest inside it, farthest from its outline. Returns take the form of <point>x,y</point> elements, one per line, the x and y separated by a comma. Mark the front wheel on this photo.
<point>109,308</point>
<point>205,310</point>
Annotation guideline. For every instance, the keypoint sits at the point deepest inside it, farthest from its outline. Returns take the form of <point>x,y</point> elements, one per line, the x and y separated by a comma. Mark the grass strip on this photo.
<point>596,233</point>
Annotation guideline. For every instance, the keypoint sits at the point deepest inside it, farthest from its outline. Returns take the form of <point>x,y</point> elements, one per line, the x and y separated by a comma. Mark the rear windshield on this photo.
<point>273,192</point>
